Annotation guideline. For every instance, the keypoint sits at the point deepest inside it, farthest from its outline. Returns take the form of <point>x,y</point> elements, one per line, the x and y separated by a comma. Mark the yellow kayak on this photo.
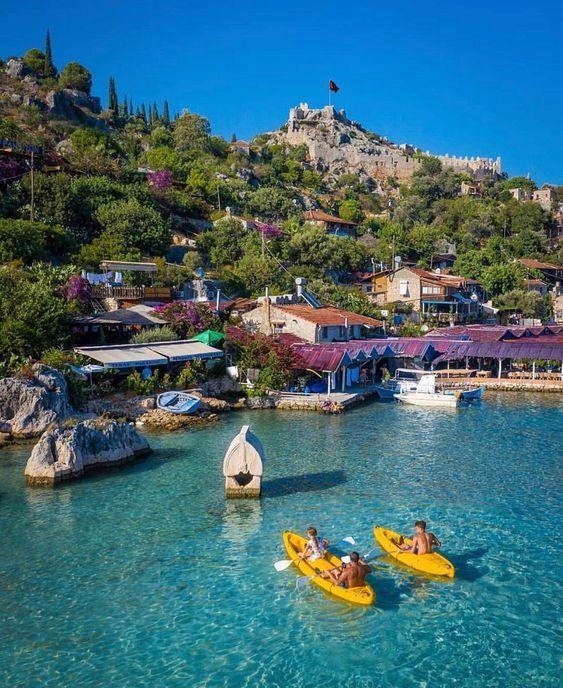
<point>433,563</point>
<point>294,543</point>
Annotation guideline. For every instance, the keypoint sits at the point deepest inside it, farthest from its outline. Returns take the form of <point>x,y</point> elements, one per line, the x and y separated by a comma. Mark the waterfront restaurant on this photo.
<point>127,356</point>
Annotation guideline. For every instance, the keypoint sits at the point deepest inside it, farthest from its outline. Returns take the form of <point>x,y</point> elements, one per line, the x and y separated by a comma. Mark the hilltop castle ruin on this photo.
<point>340,145</point>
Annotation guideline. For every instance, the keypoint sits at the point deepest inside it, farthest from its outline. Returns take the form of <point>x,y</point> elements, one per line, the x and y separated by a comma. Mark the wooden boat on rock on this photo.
<point>178,402</point>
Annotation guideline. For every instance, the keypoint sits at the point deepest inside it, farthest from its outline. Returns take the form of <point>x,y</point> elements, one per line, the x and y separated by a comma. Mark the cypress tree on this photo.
<point>143,113</point>
<point>49,70</point>
<point>131,111</point>
<point>234,138</point>
<point>113,104</point>
<point>165,114</point>
<point>123,110</point>
<point>155,115</point>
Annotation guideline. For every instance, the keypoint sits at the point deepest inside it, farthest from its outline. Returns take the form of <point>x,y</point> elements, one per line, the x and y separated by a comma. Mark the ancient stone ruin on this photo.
<point>242,466</point>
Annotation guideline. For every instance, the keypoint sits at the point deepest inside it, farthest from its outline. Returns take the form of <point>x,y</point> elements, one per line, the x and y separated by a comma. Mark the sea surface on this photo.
<point>146,576</point>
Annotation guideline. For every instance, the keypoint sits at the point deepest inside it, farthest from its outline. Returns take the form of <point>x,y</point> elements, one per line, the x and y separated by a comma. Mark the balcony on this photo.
<point>124,293</point>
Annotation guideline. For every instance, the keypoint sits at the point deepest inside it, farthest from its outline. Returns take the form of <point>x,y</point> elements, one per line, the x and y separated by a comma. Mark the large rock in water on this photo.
<point>64,453</point>
<point>29,407</point>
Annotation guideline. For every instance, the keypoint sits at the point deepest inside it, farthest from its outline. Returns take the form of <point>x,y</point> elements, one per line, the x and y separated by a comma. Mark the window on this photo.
<point>404,288</point>
<point>427,289</point>
<point>324,332</point>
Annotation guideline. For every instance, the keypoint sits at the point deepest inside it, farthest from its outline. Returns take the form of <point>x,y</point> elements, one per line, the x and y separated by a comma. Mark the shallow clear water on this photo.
<point>146,576</point>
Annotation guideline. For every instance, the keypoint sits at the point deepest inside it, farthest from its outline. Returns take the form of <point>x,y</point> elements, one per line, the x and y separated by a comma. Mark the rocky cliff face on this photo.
<point>20,87</point>
<point>65,453</point>
<point>29,407</point>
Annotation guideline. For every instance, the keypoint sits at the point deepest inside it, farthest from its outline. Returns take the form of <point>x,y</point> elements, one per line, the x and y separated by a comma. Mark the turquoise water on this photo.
<point>146,576</point>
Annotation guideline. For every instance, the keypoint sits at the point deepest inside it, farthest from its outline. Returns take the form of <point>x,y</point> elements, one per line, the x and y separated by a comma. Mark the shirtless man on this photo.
<point>352,576</point>
<point>422,541</point>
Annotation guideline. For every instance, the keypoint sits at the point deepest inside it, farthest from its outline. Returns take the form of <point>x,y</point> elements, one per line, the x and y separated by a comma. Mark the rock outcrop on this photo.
<point>29,406</point>
<point>168,422</point>
<point>67,452</point>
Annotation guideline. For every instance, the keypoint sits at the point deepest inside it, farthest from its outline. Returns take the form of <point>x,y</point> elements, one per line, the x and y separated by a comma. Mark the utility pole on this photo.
<point>32,208</point>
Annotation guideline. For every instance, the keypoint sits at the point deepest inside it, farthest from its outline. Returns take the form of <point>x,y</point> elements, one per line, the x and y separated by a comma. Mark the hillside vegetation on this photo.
<point>133,178</point>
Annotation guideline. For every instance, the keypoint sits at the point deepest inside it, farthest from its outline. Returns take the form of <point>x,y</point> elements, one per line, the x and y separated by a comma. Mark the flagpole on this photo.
<point>329,94</point>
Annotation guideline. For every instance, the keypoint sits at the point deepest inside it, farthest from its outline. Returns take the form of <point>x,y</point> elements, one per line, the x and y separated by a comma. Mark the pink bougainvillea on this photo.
<point>187,318</point>
<point>269,231</point>
<point>161,180</point>
<point>77,291</point>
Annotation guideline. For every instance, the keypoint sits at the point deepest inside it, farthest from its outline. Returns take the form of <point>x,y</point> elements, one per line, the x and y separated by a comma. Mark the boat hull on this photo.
<point>433,564</point>
<point>363,596</point>
<point>178,402</point>
<point>422,399</point>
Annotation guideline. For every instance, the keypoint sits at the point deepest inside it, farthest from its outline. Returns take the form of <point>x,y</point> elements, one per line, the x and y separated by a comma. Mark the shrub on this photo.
<point>155,334</point>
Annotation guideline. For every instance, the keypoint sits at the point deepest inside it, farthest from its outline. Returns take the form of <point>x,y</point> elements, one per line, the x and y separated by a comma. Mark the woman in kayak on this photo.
<point>315,547</point>
<point>422,541</point>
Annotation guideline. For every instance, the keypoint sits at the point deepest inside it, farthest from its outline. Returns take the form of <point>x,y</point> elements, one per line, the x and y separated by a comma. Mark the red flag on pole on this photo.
<point>333,87</point>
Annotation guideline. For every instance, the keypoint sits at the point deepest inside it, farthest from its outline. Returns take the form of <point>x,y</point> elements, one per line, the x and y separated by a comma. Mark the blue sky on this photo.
<point>465,78</point>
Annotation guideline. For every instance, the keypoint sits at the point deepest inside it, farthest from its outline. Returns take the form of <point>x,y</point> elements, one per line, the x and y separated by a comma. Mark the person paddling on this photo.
<point>352,575</point>
<point>315,547</point>
<point>422,541</point>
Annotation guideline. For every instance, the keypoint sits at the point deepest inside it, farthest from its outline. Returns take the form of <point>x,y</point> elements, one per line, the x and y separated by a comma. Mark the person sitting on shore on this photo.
<point>422,541</point>
<point>315,547</point>
<point>352,575</point>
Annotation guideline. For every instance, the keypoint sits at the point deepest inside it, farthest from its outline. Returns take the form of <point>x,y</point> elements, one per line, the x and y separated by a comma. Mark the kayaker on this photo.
<point>352,575</point>
<point>315,547</point>
<point>422,542</point>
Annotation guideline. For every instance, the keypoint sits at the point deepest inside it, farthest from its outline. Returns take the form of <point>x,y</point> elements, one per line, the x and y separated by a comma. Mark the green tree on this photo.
<point>191,132</point>
<point>49,70</point>
<point>112,97</point>
<point>30,241</point>
<point>139,226</point>
<point>529,303</point>
<point>351,211</point>
<point>164,158</point>
<point>223,244</point>
<point>33,317</point>
<point>34,59</point>
<point>165,120</point>
<point>424,239</point>
<point>76,77</point>
<point>502,278</point>
<point>470,264</point>
<point>393,240</point>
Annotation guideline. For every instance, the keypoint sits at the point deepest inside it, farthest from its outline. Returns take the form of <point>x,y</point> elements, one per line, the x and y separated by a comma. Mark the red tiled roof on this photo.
<point>321,216</point>
<point>329,315</point>
<point>533,264</point>
<point>442,279</point>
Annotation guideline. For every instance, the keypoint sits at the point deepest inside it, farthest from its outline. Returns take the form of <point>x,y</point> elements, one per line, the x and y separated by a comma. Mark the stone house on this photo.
<point>435,294</point>
<point>521,195</point>
<point>536,285</point>
<point>314,325</point>
<point>470,190</point>
<point>334,225</point>
<point>242,147</point>
<point>544,197</point>
<point>551,273</point>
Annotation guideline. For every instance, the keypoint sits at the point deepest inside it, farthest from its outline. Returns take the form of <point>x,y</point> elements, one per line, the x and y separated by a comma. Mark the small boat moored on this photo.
<point>178,402</point>
<point>425,394</point>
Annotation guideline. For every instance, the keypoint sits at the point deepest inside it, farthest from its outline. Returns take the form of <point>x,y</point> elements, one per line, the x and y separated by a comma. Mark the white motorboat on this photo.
<point>425,394</point>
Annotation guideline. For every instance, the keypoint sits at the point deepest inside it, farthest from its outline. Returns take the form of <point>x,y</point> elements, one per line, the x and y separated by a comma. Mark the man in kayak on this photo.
<point>352,575</point>
<point>422,542</point>
<point>315,547</point>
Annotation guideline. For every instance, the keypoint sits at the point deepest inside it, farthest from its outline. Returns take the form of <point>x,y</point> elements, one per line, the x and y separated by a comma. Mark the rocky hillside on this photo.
<point>338,145</point>
<point>43,113</point>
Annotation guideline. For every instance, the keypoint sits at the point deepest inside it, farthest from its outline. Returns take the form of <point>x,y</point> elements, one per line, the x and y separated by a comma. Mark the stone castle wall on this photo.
<point>333,140</point>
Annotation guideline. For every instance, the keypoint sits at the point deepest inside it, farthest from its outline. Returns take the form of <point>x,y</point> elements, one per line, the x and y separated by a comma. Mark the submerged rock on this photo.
<point>29,406</point>
<point>64,453</point>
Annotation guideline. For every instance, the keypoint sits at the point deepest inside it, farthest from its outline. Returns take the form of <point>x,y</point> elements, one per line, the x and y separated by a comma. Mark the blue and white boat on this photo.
<point>178,402</point>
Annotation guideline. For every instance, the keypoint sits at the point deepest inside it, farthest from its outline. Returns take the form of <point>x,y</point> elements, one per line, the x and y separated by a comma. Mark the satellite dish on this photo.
<point>200,272</point>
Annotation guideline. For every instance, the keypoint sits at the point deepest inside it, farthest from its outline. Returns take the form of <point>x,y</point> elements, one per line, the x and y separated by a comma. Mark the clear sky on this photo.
<point>483,77</point>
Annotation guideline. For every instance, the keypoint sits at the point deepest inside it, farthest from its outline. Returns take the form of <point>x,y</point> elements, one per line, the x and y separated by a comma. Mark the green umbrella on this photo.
<point>210,337</point>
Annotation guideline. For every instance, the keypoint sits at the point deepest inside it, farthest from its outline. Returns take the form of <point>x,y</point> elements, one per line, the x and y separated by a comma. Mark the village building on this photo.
<point>470,190</point>
<point>303,316</point>
<point>551,273</point>
<point>242,147</point>
<point>537,285</point>
<point>544,197</point>
<point>521,195</point>
<point>448,298</point>
<point>333,225</point>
